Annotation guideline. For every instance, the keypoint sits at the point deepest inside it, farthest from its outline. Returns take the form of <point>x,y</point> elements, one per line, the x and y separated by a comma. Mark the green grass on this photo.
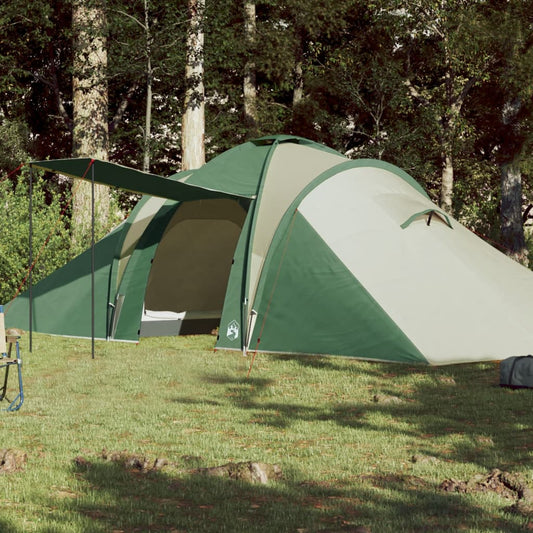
<point>346,459</point>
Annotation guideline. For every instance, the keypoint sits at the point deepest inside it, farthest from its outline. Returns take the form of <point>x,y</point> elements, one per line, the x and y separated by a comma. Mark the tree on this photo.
<point>90,134</point>
<point>444,50</point>
<point>149,83</point>
<point>146,47</point>
<point>512,92</point>
<point>512,224</point>
<point>148,38</point>
<point>357,82</point>
<point>249,82</point>
<point>296,38</point>
<point>32,73</point>
<point>193,126</point>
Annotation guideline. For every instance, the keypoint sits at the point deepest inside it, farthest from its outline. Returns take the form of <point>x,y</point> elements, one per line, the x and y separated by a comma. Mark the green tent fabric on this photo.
<point>287,246</point>
<point>106,173</point>
<point>61,303</point>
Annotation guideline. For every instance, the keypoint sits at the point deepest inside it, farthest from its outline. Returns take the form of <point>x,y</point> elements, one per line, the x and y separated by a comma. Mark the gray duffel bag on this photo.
<point>517,372</point>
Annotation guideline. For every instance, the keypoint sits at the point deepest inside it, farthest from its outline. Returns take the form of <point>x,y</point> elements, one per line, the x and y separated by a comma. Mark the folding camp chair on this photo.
<point>6,362</point>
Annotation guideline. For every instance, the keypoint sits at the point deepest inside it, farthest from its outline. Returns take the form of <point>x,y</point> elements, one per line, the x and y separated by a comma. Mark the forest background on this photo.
<point>443,89</point>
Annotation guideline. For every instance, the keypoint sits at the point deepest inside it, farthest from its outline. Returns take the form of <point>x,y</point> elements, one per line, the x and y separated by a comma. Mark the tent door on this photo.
<point>189,274</point>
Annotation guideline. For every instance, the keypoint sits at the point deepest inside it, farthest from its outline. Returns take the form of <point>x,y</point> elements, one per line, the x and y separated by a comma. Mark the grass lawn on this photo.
<point>361,445</point>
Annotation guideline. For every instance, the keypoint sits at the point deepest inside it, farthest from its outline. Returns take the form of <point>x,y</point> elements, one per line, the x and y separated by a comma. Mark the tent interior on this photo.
<point>189,272</point>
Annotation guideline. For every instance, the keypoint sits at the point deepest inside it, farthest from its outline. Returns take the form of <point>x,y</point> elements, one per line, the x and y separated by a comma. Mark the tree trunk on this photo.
<point>446,187</point>
<point>193,125</point>
<point>249,82</point>
<point>455,97</point>
<point>149,80</point>
<point>90,108</point>
<point>511,213</point>
<point>448,132</point>
<point>511,186</point>
<point>298,90</point>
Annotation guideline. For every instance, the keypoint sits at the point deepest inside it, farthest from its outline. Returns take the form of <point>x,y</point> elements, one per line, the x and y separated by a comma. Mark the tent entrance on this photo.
<point>189,274</point>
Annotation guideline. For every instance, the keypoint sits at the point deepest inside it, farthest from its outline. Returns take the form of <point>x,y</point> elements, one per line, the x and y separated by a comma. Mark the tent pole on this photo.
<point>30,257</point>
<point>92,261</point>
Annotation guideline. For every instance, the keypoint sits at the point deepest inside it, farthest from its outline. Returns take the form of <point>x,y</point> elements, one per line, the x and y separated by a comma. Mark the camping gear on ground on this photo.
<point>517,372</point>
<point>6,362</point>
<point>288,246</point>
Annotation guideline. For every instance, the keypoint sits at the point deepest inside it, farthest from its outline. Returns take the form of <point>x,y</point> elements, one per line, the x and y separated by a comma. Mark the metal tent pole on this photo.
<point>30,257</point>
<point>92,261</point>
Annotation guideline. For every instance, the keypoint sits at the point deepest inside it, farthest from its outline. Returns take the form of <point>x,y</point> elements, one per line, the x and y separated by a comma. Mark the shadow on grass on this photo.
<point>253,383</point>
<point>195,401</point>
<point>460,412</point>
<point>116,499</point>
<point>5,527</point>
<point>329,363</point>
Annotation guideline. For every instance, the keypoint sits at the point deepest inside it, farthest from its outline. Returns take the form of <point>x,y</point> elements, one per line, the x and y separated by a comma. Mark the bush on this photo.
<point>50,236</point>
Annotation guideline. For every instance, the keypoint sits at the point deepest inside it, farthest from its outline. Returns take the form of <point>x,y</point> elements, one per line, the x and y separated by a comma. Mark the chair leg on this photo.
<point>16,403</point>
<point>19,399</point>
<point>3,390</point>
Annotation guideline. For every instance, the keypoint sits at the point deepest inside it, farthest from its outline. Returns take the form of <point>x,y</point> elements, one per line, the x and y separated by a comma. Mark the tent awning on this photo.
<point>132,180</point>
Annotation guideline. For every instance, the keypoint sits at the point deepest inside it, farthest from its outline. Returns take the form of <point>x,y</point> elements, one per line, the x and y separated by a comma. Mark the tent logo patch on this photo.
<point>233,330</point>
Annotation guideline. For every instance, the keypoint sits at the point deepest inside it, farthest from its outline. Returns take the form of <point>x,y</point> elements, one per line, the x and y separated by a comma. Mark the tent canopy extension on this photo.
<point>290,247</point>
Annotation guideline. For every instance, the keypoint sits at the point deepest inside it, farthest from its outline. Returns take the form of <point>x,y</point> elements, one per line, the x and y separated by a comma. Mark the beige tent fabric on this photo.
<point>456,297</point>
<point>192,263</point>
<point>135,232</point>
<point>292,167</point>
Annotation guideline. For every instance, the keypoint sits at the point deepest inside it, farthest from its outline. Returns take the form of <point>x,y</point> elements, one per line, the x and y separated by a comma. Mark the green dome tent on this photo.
<point>290,247</point>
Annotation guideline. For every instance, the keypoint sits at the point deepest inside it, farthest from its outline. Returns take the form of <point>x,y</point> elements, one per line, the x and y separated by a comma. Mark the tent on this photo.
<point>290,247</point>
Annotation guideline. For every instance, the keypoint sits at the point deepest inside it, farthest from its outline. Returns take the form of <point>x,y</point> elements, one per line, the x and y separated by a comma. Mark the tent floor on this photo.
<point>169,324</point>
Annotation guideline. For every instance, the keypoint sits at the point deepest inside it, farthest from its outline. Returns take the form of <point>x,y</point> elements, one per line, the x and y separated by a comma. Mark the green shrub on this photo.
<point>50,236</point>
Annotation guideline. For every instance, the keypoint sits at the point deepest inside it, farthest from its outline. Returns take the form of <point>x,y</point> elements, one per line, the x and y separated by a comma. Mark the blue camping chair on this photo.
<point>7,361</point>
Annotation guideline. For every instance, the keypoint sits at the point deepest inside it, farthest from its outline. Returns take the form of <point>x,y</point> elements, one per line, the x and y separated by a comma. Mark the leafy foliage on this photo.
<point>128,55</point>
<point>50,237</point>
<point>381,79</point>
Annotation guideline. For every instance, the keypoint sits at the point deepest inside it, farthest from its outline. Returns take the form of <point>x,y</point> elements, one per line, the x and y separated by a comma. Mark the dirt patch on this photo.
<point>386,399</point>
<point>133,461</point>
<point>12,460</point>
<point>250,471</point>
<point>509,486</point>
<point>129,461</point>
